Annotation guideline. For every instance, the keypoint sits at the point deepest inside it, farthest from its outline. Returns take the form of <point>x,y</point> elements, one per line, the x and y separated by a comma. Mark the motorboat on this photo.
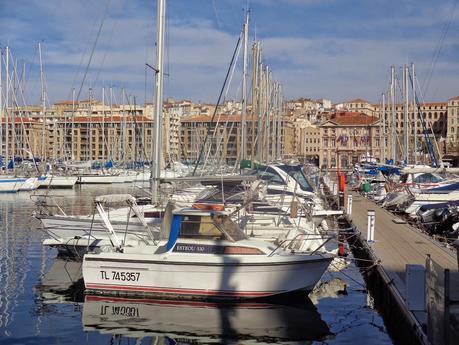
<point>203,254</point>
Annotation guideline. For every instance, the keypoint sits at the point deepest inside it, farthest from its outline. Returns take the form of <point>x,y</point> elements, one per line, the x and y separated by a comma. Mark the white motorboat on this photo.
<point>203,254</point>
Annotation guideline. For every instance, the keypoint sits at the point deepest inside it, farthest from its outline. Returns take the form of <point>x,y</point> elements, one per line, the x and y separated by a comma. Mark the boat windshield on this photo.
<point>230,228</point>
<point>297,173</point>
<point>215,227</point>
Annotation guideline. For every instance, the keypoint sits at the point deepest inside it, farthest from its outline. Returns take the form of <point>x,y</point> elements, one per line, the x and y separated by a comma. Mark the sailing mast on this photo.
<point>156,149</point>
<point>406,132</point>
<point>43,105</point>
<point>393,123</point>
<point>383,142</point>
<point>1,102</point>
<point>244,90</point>
<point>415,114</point>
<point>255,111</point>
<point>103,125</point>
<point>7,150</point>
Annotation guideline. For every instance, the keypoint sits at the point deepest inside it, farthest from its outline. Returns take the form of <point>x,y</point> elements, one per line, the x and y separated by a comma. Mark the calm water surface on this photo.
<point>42,302</point>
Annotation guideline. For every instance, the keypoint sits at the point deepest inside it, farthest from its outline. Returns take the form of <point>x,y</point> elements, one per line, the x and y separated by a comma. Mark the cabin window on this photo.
<point>199,227</point>
<point>226,225</point>
<point>271,177</point>
<point>427,178</point>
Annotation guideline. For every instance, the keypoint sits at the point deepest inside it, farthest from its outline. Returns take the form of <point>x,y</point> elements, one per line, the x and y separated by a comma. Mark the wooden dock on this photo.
<point>397,245</point>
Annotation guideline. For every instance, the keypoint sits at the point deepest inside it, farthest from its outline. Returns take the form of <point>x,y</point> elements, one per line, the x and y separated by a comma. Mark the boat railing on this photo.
<point>302,238</point>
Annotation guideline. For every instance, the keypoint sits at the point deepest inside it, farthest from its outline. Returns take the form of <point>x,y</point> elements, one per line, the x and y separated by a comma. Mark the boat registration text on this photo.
<point>120,276</point>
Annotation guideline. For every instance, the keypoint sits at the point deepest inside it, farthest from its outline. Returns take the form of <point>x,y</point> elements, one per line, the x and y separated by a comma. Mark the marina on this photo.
<point>42,302</point>
<point>248,219</point>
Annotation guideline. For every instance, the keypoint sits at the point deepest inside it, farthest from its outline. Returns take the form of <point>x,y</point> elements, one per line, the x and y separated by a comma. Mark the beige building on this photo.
<point>307,140</point>
<point>453,126</point>
<point>347,137</point>
<point>357,105</point>
<point>224,141</point>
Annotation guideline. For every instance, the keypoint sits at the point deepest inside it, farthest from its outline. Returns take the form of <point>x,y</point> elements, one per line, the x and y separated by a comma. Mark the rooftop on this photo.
<point>351,118</point>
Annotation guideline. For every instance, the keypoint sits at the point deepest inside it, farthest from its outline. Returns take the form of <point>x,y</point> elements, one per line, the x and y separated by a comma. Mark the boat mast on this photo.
<point>244,89</point>
<point>255,111</point>
<point>43,105</point>
<point>393,128</point>
<point>103,124</point>
<point>415,114</point>
<point>156,149</point>
<point>406,132</point>
<point>7,150</point>
<point>383,142</point>
<point>279,119</point>
<point>1,102</point>
<point>73,126</point>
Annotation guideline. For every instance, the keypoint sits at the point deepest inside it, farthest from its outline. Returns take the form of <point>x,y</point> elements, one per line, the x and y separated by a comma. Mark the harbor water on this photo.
<point>42,299</point>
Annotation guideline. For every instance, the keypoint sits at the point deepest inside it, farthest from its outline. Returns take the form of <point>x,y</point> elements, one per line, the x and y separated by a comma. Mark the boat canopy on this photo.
<point>114,198</point>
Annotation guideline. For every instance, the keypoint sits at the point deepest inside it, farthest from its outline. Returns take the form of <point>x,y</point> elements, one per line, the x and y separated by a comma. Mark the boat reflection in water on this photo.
<point>62,282</point>
<point>201,322</point>
<point>294,320</point>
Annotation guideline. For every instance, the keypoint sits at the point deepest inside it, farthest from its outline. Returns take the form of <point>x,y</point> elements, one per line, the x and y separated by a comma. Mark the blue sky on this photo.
<point>334,49</point>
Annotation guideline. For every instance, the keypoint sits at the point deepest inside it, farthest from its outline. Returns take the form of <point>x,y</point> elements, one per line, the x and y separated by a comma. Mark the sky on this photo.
<point>332,49</point>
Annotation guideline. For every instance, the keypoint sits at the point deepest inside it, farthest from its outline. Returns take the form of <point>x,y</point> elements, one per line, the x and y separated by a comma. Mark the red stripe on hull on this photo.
<point>195,292</point>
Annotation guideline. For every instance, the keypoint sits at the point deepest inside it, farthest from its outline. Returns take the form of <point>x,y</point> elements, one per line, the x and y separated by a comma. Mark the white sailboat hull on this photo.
<point>202,275</point>
<point>58,227</point>
<point>10,184</point>
<point>29,184</point>
<point>56,181</point>
<point>95,179</point>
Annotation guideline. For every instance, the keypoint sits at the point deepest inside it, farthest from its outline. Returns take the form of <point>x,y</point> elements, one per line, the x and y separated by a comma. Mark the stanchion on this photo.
<point>349,205</point>
<point>371,226</point>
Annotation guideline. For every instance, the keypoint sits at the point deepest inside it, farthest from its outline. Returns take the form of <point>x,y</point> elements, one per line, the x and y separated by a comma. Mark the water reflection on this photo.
<point>63,282</point>
<point>180,321</point>
<point>198,322</point>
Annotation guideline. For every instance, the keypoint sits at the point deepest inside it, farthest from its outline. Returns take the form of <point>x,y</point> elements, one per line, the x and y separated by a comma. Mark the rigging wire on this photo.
<point>93,49</point>
<point>436,55</point>
<point>209,128</point>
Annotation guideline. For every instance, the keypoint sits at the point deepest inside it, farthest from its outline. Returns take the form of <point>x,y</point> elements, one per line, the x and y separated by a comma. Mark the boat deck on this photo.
<point>397,245</point>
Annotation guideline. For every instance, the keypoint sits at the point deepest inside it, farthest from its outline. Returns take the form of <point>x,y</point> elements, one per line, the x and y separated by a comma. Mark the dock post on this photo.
<point>371,226</point>
<point>349,205</point>
<point>415,277</point>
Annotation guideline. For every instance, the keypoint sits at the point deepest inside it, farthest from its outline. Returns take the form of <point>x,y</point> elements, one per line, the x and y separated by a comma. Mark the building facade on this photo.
<point>347,137</point>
